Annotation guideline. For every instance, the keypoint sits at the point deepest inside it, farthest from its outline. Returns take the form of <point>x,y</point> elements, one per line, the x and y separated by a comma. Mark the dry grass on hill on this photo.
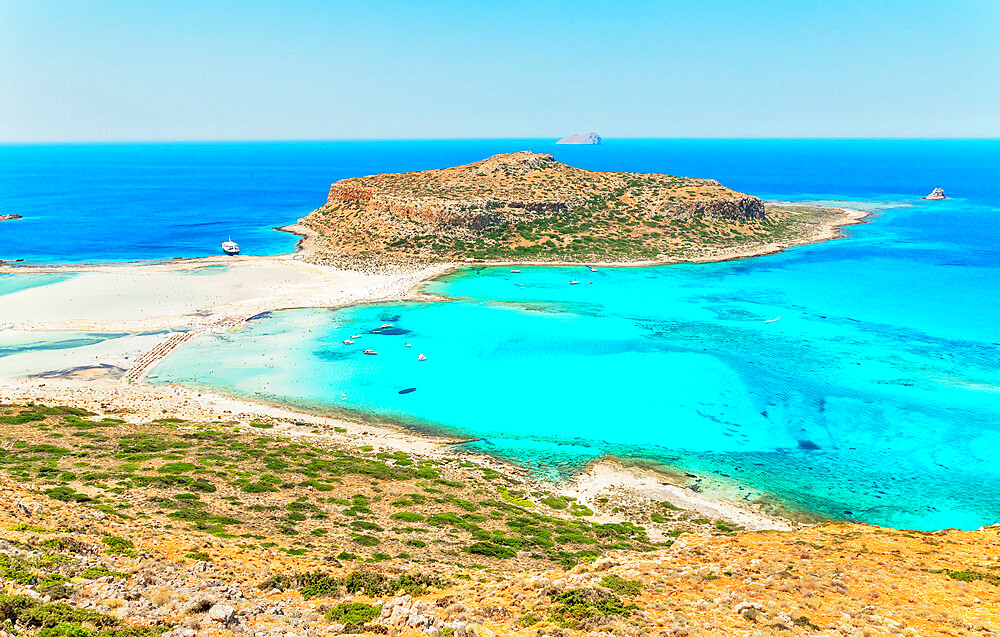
<point>127,530</point>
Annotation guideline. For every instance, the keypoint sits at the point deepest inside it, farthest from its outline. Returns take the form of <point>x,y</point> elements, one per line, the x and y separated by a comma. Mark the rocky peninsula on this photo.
<point>528,207</point>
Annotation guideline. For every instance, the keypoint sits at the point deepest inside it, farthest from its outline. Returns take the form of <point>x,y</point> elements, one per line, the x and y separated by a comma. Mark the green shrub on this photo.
<point>973,576</point>
<point>66,630</point>
<point>407,516</point>
<point>377,585</point>
<point>95,572</point>
<point>318,585</point>
<point>353,614</point>
<point>55,587</point>
<point>366,525</point>
<point>570,608</point>
<point>16,570</point>
<point>555,502</point>
<point>491,549</point>
<point>66,494</point>
<point>119,545</point>
<point>177,467</point>
<point>280,582</point>
<point>622,586</point>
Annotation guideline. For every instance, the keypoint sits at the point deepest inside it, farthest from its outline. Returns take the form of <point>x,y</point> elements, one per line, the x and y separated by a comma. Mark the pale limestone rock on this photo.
<point>222,613</point>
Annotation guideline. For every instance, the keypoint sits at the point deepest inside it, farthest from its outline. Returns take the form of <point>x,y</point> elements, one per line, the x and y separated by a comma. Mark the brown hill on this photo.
<point>528,206</point>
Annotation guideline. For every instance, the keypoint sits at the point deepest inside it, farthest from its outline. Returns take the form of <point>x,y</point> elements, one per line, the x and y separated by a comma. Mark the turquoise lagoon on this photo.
<point>874,396</point>
<point>10,283</point>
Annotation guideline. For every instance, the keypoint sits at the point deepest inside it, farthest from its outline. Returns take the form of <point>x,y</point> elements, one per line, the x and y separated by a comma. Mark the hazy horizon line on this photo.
<point>94,142</point>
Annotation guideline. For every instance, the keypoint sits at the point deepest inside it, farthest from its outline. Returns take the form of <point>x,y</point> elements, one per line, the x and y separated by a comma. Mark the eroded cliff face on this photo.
<point>518,202</point>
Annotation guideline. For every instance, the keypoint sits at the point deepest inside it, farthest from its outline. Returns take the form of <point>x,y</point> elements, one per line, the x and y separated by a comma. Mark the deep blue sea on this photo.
<point>875,396</point>
<point>119,202</point>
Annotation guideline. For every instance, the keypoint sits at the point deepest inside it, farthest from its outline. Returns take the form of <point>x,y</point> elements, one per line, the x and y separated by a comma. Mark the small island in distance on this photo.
<point>584,139</point>
<point>528,207</point>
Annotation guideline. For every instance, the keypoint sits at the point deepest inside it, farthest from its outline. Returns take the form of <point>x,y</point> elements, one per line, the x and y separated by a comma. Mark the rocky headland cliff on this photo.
<point>527,206</point>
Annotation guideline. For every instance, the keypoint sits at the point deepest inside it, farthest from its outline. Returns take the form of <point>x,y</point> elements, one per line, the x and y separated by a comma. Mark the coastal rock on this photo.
<point>589,138</point>
<point>10,217</point>
<point>937,193</point>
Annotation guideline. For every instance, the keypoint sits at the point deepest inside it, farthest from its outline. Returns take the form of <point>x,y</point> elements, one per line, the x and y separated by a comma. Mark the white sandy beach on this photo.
<point>192,293</point>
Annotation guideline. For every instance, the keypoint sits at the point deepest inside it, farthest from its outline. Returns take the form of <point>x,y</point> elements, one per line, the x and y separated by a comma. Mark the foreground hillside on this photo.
<point>528,206</point>
<point>119,528</point>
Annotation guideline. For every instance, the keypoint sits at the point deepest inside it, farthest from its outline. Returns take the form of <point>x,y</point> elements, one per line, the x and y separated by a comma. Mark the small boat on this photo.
<point>773,320</point>
<point>421,358</point>
<point>348,341</point>
<point>407,345</point>
<point>370,352</point>
<point>574,282</point>
<point>355,336</point>
<point>593,269</point>
<point>385,325</point>
<point>515,272</point>
<point>230,247</point>
<point>376,331</point>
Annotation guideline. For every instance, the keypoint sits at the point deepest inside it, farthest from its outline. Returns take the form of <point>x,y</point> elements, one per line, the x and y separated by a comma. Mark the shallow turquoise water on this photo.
<point>10,283</point>
<point>875,396</point>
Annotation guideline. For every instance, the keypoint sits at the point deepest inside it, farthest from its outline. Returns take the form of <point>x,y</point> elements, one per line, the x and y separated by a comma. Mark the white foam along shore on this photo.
<point>145,305</point>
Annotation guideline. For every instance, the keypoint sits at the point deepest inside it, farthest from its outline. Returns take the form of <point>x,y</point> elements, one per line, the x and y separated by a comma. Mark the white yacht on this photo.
<point>230,247</point>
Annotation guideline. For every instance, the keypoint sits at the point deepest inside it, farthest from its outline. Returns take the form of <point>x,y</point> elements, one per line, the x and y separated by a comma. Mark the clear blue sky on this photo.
<point>132,70</point>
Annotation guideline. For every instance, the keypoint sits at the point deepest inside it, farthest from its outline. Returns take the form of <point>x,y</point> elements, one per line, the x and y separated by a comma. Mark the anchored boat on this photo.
<point>230,247</point>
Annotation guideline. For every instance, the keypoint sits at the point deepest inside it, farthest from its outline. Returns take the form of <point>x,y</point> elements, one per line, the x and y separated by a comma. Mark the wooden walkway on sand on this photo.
<point>147,360</point>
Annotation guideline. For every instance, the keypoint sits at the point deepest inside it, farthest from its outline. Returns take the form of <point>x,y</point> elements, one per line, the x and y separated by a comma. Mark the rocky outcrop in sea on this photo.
<point>588,138</point>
